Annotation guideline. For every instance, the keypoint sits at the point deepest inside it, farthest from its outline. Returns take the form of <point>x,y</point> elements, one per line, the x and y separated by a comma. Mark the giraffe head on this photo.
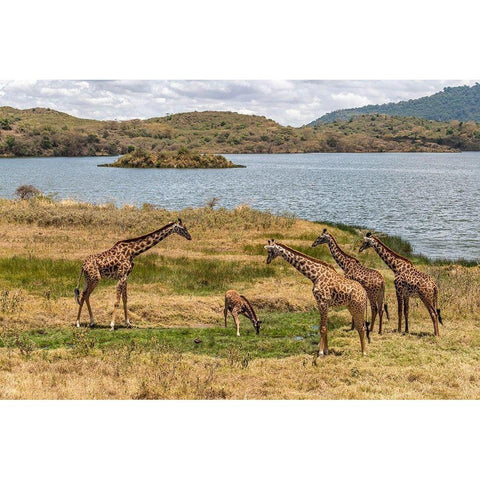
<point>368,241</point>
<point>181,229</point>
<point>272,249</point>
<point>323,238</point>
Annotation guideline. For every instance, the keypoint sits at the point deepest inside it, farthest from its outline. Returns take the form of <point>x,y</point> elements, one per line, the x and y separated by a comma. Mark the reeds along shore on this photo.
<point>177,289</point>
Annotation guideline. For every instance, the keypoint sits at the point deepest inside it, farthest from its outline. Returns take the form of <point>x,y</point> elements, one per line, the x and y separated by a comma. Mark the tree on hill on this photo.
<point>452,103</point>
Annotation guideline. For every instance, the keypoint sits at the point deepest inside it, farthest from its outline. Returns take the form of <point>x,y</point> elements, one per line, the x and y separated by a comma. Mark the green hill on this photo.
<point>44,132</point>
<point>452,103</point>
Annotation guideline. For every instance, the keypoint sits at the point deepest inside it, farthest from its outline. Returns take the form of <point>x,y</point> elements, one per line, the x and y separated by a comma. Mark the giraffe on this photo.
<point>237,304</point>
<point>409,282</point>
<point>330,289</point>
<point>371,280</point>
<point>117,263</point>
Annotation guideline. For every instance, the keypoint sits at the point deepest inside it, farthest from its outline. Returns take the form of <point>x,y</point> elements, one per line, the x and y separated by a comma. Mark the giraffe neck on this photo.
<point>394,261</point>
<point>344,261</point>
<point>304,264</point>
<point>249,309</point>
<point>136,246</point>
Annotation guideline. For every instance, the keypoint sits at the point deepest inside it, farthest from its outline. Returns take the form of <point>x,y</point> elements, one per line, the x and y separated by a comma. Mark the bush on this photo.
<point>25,192</point>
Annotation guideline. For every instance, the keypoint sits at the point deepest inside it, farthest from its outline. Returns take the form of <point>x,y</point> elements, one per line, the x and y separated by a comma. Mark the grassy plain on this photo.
<point>179,347</point>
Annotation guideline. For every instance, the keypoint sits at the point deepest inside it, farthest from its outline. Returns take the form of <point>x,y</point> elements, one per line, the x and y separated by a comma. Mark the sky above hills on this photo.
<point>289,102</point>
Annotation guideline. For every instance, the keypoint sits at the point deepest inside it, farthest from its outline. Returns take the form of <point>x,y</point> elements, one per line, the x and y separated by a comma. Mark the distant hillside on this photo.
<point>44,132</point>
<point>452,103</point>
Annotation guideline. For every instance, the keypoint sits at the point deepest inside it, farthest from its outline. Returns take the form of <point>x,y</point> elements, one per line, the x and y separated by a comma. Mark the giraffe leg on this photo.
<point>380,317</point>
<point>400,307</point>
<point>323,346</point>
<point>92,320</point>
<point>80,310</point>
<point>357,309</point>
<point>90,284</point>
<point>405,311</point>
<point>433,314</point>
<point>237,321</point>
<point>360,326</point>
<point>374,309</point>
<point>225,314</point>
<point>380,298</point>
<point>125,309</point>
<point>117,304</point>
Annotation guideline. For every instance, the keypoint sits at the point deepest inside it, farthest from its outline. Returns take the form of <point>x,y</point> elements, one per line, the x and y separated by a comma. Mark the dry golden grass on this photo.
<point>417,365</point>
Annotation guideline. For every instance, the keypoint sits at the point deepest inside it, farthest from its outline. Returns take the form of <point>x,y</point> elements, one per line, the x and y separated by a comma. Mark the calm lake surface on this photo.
<point>432,200</point>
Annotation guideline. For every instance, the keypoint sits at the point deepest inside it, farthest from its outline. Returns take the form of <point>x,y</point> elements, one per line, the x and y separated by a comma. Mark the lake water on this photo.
<point>432,200</point>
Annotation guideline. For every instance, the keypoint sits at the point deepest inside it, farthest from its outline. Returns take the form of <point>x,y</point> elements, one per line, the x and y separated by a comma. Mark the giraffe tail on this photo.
<point>367,323</point>
<point>77,290</point>
<point>439,317</point>
<point>437,309</point>
<point>385,307</point>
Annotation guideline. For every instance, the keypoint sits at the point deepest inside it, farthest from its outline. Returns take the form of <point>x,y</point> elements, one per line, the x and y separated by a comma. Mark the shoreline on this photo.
<point>404,246</point>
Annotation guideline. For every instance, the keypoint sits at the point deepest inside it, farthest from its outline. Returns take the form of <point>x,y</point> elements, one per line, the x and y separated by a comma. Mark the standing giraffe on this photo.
<point>409,282</point>
<point>117,263</point>
<point>371,280</point>
<point>237,304</point>
<point>330,289</point>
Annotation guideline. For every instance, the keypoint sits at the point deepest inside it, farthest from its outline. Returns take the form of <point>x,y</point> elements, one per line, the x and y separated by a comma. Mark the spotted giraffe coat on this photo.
<point>330,289</point>
<point>117,263</point>
<point>371,280</point>
<point>236,305</point>
<point>409,282</point>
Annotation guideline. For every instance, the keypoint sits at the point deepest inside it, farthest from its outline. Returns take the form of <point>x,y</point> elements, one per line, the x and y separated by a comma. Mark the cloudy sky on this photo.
<point>289,102</point>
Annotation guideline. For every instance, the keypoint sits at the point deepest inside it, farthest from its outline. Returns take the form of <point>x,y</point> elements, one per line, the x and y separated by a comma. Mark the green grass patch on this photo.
<point>281,335</point>
<point>39,275</point>
<point>197,276</point>
<point>182,275</point>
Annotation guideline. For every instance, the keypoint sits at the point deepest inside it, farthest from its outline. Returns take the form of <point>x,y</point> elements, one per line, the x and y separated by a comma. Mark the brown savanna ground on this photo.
<point>176,292</point>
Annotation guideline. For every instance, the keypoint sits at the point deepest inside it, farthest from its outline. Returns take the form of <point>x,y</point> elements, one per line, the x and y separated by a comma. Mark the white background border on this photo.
<point>243,40</point>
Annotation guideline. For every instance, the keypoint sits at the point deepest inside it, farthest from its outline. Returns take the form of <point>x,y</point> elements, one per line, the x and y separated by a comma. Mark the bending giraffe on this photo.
<point>330,289</point>
<point>117,263</point>
<point>237,305</point>
<point>371,280</point>
<point>409,282</point>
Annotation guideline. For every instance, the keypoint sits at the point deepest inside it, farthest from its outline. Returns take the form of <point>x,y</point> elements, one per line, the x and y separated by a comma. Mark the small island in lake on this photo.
<point>182,158</point>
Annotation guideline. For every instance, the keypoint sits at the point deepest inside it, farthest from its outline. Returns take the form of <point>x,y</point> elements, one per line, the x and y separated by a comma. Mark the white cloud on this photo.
<point>289,102</point>
<point>349,100</point>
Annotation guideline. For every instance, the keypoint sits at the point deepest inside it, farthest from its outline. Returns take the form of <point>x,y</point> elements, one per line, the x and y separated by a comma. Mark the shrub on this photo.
<point>25,192</point>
